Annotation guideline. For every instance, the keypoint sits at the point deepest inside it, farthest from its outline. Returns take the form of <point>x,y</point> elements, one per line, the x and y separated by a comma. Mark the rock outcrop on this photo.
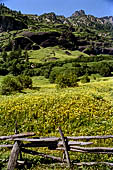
<point>23,42</point>
<point>44,39</point>
<point>78,13</point>
<point>8,23</point>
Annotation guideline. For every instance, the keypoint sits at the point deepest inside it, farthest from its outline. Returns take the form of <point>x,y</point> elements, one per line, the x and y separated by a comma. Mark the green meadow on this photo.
<point>83,110</point>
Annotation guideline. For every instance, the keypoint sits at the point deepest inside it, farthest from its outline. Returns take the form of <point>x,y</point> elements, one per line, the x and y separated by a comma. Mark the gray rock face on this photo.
<point>23,42</point>
<point>44,39</point>
<point>41,36</point>
<point>77,13</point>
<point>108,19</point>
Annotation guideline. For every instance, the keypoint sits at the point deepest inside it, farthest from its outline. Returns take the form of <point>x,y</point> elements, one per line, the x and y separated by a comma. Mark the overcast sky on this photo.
<point>62,7</point>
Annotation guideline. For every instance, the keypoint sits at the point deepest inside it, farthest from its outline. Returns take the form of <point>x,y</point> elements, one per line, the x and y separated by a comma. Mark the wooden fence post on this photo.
<point>16,132</point>
<point>14,153</point>
<point>13,157</point>
<point>65,144</point>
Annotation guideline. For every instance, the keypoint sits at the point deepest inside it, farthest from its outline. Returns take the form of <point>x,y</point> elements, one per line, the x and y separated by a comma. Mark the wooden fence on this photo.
<point>75,144</point>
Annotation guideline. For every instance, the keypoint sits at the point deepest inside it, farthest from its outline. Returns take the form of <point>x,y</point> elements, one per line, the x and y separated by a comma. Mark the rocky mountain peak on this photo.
<point>108,19</point>
<point>78,13</point>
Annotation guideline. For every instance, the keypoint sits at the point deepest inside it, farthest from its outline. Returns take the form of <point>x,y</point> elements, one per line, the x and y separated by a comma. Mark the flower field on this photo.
<point>84,110</point>
<point>77,111</point>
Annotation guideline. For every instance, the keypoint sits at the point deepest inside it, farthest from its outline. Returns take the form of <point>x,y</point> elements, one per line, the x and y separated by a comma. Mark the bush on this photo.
<point>104,70</point>
<point>25,81</point>
<point>85,79</point>
<point>66,80</point>
<point>28,72</point>
<point>10,84</point>
<point>54,73</point>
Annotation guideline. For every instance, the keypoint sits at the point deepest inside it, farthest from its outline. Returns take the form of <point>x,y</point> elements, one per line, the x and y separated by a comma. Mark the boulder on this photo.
<point>23,43</point>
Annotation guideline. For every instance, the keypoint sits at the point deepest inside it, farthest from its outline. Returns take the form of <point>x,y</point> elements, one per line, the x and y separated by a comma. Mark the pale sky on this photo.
<point>97,8</point>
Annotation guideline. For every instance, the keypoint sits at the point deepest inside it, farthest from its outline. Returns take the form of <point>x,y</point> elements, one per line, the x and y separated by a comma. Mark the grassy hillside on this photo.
<point>53,54</point>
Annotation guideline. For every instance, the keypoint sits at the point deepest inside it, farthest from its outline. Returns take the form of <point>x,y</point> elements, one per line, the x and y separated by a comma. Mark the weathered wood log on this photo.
<point>85,151</point>
<point>6,146</point>
<point>37,140</point>
<point>41,144</point>
<point>60,143</point>
<point>71,149</point>
<point>41,154</point>
<point>50,145</point>
<point>89,137</point>
<point>53,144</point>
<point>13,157</point>
<point>93,163</point>
<point>61,149</point>
<point>11,137</point>
<point>71,143</point>
<point>81,151</point>
<point>54,138</point>
<point>95,152</point>
<point>85,163</point>
<point>98,149</point>
<point>65,144</point>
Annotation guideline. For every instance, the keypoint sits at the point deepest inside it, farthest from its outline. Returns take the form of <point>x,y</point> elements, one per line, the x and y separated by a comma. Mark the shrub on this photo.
<point>10,84</point>
<point>25,81</point>
<point>104,69</point>
<point>29,72</point>
<point>66,80</point>
<point>85,79</point>
<point>54,73</point>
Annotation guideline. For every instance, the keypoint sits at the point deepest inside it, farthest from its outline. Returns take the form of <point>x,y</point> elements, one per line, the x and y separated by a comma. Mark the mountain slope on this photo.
<point>82,32</point>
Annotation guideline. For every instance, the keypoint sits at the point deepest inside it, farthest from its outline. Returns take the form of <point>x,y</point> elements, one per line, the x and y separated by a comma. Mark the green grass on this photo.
<point>45,54</point>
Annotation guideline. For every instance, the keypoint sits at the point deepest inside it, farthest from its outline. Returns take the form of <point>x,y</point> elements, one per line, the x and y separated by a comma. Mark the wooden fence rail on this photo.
<point>12,137</point>
<point>66,144</point>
